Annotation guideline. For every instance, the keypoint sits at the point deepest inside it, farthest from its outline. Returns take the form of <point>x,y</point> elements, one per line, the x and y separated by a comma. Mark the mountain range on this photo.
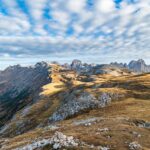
<point>53,106</point>
<point>138,66</point>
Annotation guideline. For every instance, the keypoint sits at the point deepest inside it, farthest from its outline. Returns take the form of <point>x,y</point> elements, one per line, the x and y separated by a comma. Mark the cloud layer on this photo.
<point>95,30</point>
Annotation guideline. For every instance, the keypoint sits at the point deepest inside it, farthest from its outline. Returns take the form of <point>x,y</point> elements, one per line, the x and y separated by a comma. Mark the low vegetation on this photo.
<point>118,126</point>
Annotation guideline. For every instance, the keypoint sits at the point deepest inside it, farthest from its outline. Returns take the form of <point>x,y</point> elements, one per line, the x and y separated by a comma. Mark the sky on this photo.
<point>97,31</point>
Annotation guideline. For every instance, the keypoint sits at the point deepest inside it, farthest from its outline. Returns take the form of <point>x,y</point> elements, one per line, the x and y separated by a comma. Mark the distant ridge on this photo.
<point>138,66</point>
<point>38,101</point>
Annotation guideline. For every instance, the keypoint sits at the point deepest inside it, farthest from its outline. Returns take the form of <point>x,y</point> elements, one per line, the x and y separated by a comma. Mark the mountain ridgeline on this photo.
<point>138,66</point>
<point>17,83</point>
<point>19,86</point>
<point>35,101</point>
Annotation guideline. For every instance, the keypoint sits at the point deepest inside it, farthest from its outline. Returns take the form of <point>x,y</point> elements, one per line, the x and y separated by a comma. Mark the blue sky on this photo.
<point>98,31</point>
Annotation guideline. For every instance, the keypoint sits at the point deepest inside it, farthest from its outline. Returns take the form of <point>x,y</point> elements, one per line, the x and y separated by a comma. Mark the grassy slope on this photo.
<point>119,117</point>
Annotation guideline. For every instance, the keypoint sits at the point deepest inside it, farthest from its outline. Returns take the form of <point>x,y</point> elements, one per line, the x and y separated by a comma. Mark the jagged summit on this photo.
<point>121,65</point>
<point>76,64</point>
<point>139,66</point>
<point>42,64</point>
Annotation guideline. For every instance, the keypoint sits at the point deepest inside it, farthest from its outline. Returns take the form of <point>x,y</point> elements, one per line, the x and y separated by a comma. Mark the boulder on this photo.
<point>135,146</point>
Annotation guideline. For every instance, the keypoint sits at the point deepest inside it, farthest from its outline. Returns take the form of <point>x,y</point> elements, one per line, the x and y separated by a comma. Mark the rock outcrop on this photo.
<point>139,66</point>
<point>76,64</point>
<point>135,146</point>
<point>77,102</point>
<point>58,141</point>
<point>73,105</point>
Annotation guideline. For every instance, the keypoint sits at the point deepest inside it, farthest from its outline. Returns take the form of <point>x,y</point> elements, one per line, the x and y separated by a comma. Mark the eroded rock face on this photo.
<point>73,105</point>
<point>76,103</point>
<point>19,86</point>
<point>76,64</point>
<point>104,99</point>
<point>139,66</point>
<point>80,68</point>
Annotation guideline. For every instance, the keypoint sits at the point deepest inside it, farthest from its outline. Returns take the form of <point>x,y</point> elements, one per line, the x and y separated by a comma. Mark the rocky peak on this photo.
<point>138,62</point>
<point>41,65</point>
<point>81,68</point>
<point>76,64</point>
<point>141,61</point>
<point>120,65</point>
<point>138,66</point>
<point>13,68</point>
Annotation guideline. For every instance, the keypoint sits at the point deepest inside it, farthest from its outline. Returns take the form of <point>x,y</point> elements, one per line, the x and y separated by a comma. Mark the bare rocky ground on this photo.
<point>108,111</point>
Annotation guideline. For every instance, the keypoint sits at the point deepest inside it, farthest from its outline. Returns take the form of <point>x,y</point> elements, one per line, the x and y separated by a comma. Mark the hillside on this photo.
<point>19,87</point>
<point>106,108</point>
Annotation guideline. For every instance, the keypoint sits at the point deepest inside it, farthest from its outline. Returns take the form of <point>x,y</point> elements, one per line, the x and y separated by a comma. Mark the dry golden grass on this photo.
<point>119,117</point>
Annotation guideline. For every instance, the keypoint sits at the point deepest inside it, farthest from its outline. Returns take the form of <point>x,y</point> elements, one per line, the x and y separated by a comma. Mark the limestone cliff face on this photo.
<point>20,86</point>
<point>76,64</point>
<point>139,66</point>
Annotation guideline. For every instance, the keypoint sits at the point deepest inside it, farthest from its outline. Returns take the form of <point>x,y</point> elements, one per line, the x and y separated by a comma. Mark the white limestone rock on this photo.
<point>135,146</point>
<point>77,102</point>
<point>58,141</point>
